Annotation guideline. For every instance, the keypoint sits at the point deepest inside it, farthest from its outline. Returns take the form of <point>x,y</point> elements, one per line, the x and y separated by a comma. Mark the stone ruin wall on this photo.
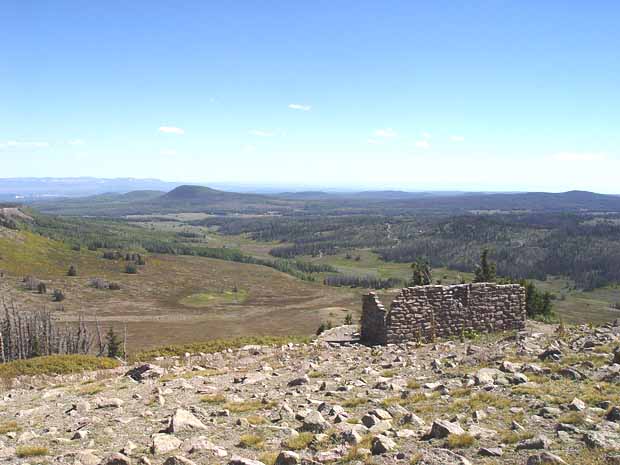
<point>425,312</point>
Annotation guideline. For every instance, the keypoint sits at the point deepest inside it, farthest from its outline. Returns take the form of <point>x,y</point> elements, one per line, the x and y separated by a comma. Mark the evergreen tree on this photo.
<point>422,274</point>
<point>485,271</point>
<point>113,341</point>
<point>72,271</point>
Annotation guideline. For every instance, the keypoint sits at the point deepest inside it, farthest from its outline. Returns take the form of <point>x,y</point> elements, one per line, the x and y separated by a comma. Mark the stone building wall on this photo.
<point>425,312</point>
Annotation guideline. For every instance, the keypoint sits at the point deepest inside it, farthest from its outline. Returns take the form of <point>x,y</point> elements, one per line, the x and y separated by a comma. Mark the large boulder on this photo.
<point>442,429</point>
<point>182,420</point>
<point>163,443</point>
<point>314,422</point>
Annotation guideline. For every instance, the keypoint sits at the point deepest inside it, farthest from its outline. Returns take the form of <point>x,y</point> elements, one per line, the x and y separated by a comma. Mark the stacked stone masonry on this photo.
<point>422,313</point>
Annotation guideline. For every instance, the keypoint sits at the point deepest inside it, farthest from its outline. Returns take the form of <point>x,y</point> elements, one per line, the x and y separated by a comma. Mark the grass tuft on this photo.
<point>31,451</point>
<point>460,441</point>
<point>299,442</point>
<point>251,441</point>
<point>9,427</point>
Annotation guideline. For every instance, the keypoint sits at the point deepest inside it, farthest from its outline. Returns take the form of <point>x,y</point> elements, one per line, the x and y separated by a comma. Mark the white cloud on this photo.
<point>14,144</point>
<point>386,133</point>
<point>76,142</point>
<point>260,133</point>
<point>298,106</point>
<point>426,135</point>
<point>171,130</point>
<point>579,156</point>
<point>167,152</point>
<point>249,148</point>
<point>457,138</point>
<point>423,144</point>
<point>375,142</point>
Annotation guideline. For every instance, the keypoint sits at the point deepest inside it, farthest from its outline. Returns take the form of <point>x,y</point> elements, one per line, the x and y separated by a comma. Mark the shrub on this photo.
<point>72,271</point>
<point>324,327</point>
<point>348,320</point>
<point>58,295</point>
<point>131,268</point>
<point>114,286</point>
<point>55,365</point>
<point>42,288</point>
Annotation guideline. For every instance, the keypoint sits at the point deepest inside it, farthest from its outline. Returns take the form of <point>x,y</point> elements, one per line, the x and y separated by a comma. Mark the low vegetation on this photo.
<point>55,365</point>
<point>218,345</point>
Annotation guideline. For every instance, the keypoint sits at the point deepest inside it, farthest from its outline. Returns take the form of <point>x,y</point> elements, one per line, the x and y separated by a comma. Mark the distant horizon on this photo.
<point>274,188</point>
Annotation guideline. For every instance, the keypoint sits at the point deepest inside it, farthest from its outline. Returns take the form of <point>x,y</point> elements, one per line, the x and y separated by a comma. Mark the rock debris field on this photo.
<point>546,395</point>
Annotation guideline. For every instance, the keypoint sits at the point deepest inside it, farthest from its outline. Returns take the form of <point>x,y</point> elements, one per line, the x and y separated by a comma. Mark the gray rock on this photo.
<point>299,381</point>
<point>538,442</point>
<point>314,422</point>
<point>109,403</point>
<point>163,443</point>
<point>182,420</point>
<point>577,405</point>
<point>116,459</point>
<point>287,457</point>
<point>491,451</point>
<point>236,460</point>
<point>545,458</point>
<point>381,445</point>
<point>441,429</point>
<point>442,457</point>
<point>178,460</point>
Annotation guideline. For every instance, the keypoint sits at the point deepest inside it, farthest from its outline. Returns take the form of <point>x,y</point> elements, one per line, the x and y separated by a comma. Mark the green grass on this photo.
<point>204,299</point>
<point>217,345</point>
<point>55,365</point>
<point>213,399</point>
<point>246,406</point>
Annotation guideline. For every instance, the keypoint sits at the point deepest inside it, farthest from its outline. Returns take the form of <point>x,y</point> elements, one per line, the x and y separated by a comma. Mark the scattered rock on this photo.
<point>163,443</point>
<point>182,420</point>
<point>545,458</point>
<point>442,429</point>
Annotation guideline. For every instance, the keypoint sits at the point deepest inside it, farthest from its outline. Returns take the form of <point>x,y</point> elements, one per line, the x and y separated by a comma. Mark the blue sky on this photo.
<point>490,94</point>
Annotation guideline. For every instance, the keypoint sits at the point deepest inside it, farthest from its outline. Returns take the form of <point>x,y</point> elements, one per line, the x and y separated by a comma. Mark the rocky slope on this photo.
<point>546,396</point>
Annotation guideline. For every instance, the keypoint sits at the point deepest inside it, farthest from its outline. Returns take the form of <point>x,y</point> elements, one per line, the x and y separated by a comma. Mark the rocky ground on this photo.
<point>548,395</point>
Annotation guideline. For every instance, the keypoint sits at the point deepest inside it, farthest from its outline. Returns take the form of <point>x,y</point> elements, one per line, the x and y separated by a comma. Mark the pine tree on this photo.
<point>114,344</point>
<point>485,271</point>
<point>422,274</point>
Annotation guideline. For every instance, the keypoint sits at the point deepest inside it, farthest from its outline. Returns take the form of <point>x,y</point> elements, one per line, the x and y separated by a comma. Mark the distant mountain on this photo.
<point>40,188</point>
<point>190,198</point>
